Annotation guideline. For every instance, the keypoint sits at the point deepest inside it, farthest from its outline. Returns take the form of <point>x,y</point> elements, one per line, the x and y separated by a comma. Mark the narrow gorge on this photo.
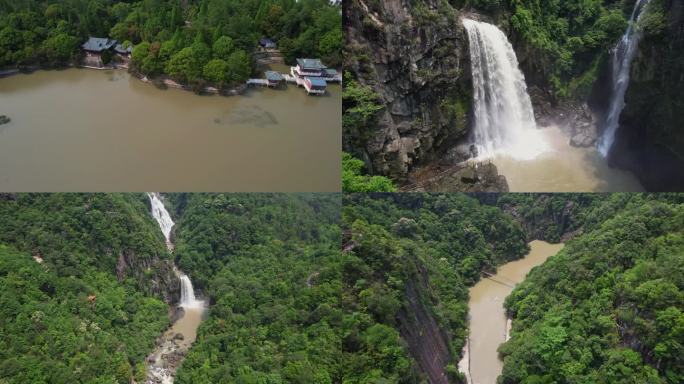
<point>489,325</point>
<point>522,288</point>
<point>176,341</point>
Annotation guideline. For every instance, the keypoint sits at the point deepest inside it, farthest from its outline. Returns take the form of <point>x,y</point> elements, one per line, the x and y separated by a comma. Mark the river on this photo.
<point>488,323</point>
<point>89,130</point>
<point>564,168</point>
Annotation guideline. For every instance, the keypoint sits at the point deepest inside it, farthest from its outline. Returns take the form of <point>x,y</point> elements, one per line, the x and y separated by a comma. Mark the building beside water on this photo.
<point>96,47</point>
<point>275,79</point>
<point>313,75</point>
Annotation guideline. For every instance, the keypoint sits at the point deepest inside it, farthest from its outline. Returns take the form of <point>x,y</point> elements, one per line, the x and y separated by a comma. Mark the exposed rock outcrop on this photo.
<point>415,56</point>
<point>549,223</point>
<point>427,342</point>
<point>475,177</point>
<point>154,274</point>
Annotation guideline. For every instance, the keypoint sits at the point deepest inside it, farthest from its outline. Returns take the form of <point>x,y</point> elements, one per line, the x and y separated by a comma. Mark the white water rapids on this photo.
<point>158,370</point>
<point>504,119</point>
<point>623,54</point>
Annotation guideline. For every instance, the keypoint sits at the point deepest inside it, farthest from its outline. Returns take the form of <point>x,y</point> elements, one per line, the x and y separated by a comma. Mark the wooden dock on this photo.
<point>261,82</point>
<point>336,79</point>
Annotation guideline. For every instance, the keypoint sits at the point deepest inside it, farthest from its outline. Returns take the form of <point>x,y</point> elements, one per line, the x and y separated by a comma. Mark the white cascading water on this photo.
<point>623,54</point>
<point>504,118</point>
<point>162,216</point>
<point>188,294</point>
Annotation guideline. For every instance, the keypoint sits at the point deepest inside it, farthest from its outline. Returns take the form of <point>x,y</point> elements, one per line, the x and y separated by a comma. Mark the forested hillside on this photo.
<point>609,307</point>
<point>411,259</point>
<point>270,265</point>
<point>190,40</point>
<point>82,279</point>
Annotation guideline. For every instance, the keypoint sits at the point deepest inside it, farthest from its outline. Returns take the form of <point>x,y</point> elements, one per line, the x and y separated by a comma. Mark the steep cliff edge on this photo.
<point>649,141</point>
<point>414,55</point>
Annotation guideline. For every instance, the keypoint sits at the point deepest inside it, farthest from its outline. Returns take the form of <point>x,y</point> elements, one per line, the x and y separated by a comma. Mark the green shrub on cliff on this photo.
<point>353,179</point>
<point>565,38</point>
<point>360,106</point>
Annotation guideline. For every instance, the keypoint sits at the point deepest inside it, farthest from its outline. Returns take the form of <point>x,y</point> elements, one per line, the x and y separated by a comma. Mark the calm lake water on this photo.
<point>487,314</point>
<point>87,130</point>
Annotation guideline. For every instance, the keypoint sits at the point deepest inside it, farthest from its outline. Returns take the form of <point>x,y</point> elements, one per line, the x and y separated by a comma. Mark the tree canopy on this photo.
<point>179,38</point>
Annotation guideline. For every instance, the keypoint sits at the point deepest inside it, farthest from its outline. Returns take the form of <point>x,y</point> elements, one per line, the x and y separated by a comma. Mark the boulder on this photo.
<point>583,140</point>
<point>468,175</point>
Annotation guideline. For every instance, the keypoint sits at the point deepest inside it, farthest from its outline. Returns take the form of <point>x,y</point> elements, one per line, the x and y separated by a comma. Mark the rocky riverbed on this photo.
<point>173,345</point>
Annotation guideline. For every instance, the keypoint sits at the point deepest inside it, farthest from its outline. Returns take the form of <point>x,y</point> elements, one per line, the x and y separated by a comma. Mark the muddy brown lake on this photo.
<point>89,130</point>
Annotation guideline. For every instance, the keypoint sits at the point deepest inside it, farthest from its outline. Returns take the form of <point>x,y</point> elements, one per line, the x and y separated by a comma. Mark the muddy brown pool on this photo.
<point>88,130</point>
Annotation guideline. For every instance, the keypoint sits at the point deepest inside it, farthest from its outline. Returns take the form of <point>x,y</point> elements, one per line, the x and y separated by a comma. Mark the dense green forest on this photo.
<point>66,315</point>
<point>609,307</point>
<point>194,41</point>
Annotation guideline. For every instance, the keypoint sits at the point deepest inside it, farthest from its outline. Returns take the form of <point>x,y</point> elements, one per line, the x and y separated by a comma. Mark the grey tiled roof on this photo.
<point>317,81</point>
<point>310,63</point>
<point>120,49</point>
<point>98,44</point>
<point>274,76</point>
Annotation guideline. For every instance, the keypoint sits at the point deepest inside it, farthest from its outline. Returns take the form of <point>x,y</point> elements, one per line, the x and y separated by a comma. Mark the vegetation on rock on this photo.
<point>354,180</point>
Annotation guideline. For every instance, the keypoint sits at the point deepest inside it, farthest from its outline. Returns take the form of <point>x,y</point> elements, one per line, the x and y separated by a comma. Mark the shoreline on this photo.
<point>162,82</point>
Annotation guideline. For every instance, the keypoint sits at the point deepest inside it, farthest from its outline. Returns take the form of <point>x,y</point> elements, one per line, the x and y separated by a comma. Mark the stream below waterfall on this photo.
<point>174,344</point>
<point>564,168</point>
<point>488,323</point>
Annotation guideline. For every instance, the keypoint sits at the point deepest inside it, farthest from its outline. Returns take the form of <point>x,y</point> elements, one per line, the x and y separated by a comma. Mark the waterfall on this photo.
<point>188,294</point>
<point>623,54</point>
<point>165,222</point>
<point>162,216</point>
<point>504,119</point>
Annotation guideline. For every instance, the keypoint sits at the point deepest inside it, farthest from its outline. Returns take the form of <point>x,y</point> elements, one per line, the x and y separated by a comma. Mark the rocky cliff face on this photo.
<point>547,219</point>
<point>650,140</point>
<point>153,274</point>
<point>415,56</point>
<point>427,342</point>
